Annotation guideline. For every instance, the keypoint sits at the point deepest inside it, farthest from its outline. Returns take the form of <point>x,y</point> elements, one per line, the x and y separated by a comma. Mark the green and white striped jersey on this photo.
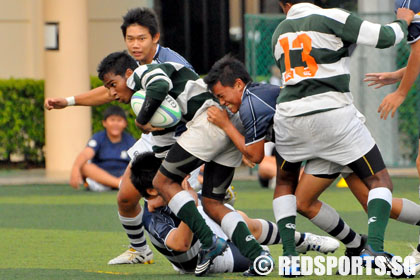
<point>174,79</point>
<point>312,49</point>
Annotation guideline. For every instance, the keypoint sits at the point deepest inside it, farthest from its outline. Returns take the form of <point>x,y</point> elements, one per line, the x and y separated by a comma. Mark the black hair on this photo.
<point>143,170</point>
<point>141,16</point>
<point>114,111</point>
<point>296,1</point>
<point>116,63</point>
<point>226,70</point>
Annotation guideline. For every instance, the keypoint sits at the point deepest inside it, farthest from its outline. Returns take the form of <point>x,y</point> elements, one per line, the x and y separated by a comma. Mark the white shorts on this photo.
<point>144,144</point>
<point>208,142</point>
<point>338,136</point>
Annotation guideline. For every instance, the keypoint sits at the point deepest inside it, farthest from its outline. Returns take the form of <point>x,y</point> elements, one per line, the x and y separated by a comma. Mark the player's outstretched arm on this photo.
<point>383,79</point>
<point>94,97</point>
<point>392,101</point>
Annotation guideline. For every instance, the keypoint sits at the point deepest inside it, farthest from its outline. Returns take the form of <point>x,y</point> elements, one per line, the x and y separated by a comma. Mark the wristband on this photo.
<point>71,101</point>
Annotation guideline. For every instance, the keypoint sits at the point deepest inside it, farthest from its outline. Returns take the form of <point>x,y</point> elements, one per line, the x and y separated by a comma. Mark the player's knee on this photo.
<point>126,202</point>
<point>303,207</point>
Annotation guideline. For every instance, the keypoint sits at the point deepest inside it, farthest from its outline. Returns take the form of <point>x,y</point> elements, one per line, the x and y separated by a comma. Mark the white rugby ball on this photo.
<point>167,115</point>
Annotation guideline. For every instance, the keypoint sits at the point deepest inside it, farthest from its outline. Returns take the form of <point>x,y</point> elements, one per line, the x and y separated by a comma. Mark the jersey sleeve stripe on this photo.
<point>160,78</point>
<point>369,34</point>
<point>399,34</point>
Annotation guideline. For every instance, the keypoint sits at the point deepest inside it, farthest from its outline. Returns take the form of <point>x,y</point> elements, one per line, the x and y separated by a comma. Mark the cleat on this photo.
<point>416,255</point>
<point>206,256</point>
<point>385,259</point>
<point>353,252</point>
<point>264,261</point>
<point>313,242</point>
<point>230,196</point>
<point>132,256</point>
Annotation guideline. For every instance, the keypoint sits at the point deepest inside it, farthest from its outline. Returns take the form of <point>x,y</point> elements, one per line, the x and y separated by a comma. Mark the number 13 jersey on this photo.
<point>312,48</point>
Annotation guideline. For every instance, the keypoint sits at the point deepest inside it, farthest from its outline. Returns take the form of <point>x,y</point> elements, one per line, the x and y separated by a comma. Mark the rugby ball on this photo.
<point>167,115</point>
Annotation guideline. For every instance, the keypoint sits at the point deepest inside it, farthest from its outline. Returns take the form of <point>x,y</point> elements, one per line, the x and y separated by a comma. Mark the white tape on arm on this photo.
<point>71,101</point>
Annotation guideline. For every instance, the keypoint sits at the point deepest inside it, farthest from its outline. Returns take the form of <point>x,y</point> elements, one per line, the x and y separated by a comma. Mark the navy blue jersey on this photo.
<point>109,156</point>
<point>167,55</point>
<point>257,111</point>
<point>414,27</point>
<point>158,225</point>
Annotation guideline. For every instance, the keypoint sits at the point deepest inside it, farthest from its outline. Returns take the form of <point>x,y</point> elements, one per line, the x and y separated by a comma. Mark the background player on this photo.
<point>173,238</point>
<point>103,161</point>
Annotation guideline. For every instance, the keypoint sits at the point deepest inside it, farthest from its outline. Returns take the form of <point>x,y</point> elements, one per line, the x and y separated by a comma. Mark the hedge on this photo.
<point>22,119</point>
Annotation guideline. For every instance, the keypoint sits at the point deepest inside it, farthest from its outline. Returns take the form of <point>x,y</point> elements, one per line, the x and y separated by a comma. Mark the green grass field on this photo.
<point>55,232</point>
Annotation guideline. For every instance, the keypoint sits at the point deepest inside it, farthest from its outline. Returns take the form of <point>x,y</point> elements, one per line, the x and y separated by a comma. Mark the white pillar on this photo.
<point>66,74</point>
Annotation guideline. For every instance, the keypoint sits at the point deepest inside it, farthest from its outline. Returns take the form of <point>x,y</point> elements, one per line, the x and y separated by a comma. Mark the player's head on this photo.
<point>227,80</point>
<point>287,4</point>
<point>114,71</point>
<point>140,29</point>
<point>143,170</point>
<point>114,120</point>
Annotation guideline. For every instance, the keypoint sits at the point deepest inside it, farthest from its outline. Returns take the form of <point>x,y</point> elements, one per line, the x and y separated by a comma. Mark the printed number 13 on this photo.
<point>305,42</point>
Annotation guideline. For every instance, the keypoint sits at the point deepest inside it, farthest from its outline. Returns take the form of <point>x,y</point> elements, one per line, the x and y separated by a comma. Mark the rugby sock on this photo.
<point>329,221</point>
<point>285,213</point>
<point>183,206</point>
<point>379,207</point>
<point>135,231</point>
<point>236,229</point>
<point>270,234</point>
<point>410,212</point>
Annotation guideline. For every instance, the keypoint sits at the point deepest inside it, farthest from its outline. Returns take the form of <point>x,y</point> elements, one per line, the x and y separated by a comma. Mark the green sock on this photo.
<point>189,214</point>
<point>378,214</point>
<point>287,228</point>
<point>245,241</point>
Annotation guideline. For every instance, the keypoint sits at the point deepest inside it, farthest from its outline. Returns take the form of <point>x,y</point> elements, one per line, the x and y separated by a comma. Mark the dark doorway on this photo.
<point>198,30</point>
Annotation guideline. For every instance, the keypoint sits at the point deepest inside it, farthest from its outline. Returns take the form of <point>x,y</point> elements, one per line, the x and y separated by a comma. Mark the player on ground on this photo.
<point>173,238</point>
<point>140,30</point>
<point>315,117</point>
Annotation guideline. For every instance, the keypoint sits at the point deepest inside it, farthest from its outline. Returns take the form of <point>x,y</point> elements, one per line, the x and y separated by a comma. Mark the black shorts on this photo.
<point>216,178</point>
<point>369,164</point>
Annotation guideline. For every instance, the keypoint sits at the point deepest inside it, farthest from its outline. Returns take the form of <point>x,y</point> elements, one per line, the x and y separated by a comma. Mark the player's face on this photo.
<point>140,43</point>
<point>117,87</point>
<point>114,125</point>
<point>230,97</point>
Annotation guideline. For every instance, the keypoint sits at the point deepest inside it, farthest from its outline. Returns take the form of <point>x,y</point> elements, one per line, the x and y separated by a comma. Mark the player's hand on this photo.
<point>76,179</point>
<point>381,79</point>
<point>247,162</point>
<point>186,186</point>
<point>390,103</point>
<point>405,14</point>
<point>55,103</point>
<point>217,116</point>
<point>147,128</point>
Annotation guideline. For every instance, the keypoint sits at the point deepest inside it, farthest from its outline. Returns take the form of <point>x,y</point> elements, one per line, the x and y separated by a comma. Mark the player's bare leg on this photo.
<point>94,172</point>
